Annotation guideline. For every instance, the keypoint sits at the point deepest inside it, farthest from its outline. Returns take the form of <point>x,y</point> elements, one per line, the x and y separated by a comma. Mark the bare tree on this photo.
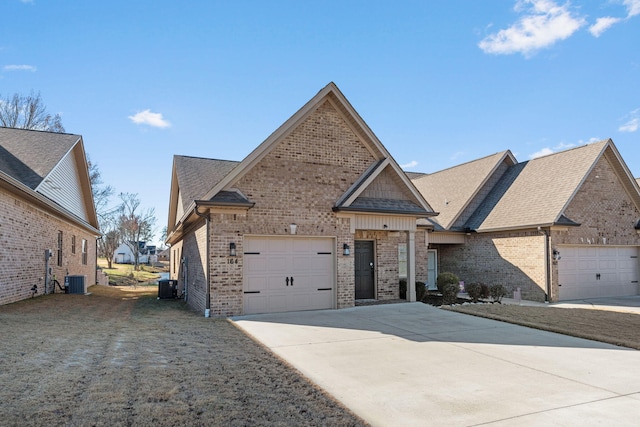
<point>111,239</point>
<point>28,112</point>
<point>101,193</point>
<point>135,225</point>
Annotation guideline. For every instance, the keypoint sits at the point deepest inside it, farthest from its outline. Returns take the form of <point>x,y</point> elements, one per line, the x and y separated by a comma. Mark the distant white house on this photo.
<point>124,255</point>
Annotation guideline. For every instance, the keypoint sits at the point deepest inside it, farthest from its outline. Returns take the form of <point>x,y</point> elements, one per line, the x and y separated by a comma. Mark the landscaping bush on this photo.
<point>403,289</point>
<point>484,291</point>
<point>497,293</point>
<point>450,293</point>
<point>474,291</point>
<point>447,278</point>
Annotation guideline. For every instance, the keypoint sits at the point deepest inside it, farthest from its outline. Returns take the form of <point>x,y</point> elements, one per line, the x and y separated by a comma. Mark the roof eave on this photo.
<point>420,214</point>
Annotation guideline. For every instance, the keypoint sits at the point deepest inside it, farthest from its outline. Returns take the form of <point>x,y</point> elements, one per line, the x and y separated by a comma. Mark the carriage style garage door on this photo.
<point>597,271</point>
<point>288,274</point>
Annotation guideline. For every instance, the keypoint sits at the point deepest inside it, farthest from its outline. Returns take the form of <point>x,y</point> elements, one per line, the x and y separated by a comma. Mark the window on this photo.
<point>73,244</point>
<point>402,260</point>
<point>84,252</point>
<point>59,248</point>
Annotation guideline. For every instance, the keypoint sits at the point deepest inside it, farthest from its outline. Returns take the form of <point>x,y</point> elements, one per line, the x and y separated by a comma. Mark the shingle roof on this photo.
<point>197,175</point>
<point>29,156</point>
<point>449,191</point>
<point>536,192</point>
<point>368,204</point>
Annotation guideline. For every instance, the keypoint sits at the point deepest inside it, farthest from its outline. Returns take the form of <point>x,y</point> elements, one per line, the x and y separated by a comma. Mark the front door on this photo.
<point>364,269</point>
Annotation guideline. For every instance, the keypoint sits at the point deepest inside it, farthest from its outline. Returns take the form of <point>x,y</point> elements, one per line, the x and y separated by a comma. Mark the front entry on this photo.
<point>365,268</point>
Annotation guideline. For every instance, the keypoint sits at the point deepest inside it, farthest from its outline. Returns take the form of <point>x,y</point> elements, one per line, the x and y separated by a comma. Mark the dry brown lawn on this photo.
<point>120,357</point>
<point>611,327</point>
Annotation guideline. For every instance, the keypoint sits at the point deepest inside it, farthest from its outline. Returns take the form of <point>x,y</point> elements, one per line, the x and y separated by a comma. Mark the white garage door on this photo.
<point>597,271</point>
<point>288,274</point>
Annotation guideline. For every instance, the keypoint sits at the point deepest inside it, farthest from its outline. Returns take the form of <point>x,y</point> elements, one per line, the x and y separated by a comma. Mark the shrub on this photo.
<point>484,291</point>
<point>497,293</point>
<point>473,290</point>
<point>446,279</point>
<point>403,289</point>
<point>450,293</point>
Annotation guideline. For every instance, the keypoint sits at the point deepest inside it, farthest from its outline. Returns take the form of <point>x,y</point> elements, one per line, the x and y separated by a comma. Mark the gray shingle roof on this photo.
<point>29,156</point>
<point>368,204</point>
<point>449,191</point>
<point>197,175</point>
<point>536,192</point>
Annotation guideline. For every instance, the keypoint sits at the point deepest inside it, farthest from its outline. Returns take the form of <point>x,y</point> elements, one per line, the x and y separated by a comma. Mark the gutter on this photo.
<point>207,311</point>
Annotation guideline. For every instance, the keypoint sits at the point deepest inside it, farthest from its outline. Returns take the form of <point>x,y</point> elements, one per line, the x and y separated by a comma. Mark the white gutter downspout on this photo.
<point>207,311</point>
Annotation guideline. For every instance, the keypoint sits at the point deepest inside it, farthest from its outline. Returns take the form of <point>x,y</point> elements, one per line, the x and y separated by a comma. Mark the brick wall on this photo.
<point>511,259</point>
<point>605,211</point>
<point>25,233</point>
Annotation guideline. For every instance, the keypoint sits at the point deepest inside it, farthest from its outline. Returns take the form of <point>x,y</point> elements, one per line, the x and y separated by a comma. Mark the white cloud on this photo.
<point>411,164</point>
<point>146,117</point>
<point>602,25</point>
<point>560,147</point>
<point>543,24</point>
<point>633,122</point>
<point>544,152</point>
<point>633,7</point>
<point>14,67</point>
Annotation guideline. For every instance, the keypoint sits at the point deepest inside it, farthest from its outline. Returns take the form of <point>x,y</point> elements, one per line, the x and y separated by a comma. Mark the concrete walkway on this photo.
<point>415,365</point>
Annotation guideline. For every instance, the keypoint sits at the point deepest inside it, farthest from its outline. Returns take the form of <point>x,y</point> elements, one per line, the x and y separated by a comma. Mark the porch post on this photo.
<point>411,266</point>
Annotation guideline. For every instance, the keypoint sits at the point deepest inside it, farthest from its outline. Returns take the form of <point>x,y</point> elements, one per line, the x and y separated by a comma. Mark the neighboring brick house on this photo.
<point>564,226</point>
<point>45,205</point>
<point>317,216</point>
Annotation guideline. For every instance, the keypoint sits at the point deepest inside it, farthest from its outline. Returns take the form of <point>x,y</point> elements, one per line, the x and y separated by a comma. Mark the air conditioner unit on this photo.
<point>75,284</point>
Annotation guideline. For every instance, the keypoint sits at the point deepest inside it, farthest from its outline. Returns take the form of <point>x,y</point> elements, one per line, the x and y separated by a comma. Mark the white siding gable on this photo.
<point>62,186</point>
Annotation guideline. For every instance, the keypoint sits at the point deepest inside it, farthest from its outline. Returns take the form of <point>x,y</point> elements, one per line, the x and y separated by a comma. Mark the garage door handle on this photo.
<point>291,280</point>
<point>251,292</point>
<point>324,289</point>
<point>287,281</point>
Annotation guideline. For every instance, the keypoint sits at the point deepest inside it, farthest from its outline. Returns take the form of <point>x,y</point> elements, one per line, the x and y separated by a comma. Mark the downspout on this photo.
<point>96,269</point>
<point>547,265</point>
<point>207,311</point>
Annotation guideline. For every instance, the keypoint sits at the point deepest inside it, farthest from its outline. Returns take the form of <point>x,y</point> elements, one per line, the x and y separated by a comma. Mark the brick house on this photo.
<point>564,226</point>
<point>46,204</point>
<point>317,216</point>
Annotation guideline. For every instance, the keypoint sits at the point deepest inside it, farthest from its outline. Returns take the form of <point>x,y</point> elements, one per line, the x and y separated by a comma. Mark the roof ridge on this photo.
<point>205,158</point>
<point>463,164</point>
<point>39,130</point>
<point>602,141</point>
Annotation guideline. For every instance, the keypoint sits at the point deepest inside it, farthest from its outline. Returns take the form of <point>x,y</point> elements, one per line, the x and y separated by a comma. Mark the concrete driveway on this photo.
<point>413,364</point>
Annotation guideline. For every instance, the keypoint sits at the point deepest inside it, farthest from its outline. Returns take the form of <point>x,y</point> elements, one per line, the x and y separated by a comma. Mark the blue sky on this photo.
<point>439,82</point>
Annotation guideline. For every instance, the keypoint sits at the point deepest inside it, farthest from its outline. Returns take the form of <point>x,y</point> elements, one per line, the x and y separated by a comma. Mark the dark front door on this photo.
<point>364,269</point>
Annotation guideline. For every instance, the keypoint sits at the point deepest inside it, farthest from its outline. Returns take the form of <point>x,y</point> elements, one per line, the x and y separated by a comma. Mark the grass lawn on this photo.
<point>125,274</point>
<point>121,357</point>
<point>599,325</point>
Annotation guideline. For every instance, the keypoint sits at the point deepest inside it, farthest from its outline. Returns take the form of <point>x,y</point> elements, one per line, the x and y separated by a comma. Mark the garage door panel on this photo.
<point>308,261</point>
<point>596,271</point>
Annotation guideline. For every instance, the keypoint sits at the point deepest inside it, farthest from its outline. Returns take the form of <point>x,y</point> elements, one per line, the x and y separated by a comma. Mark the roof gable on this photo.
<point>536,193</point>
<point>331,94</point>
<point>53,165</point>
<point>191,178</point>
<point>451,191</point>
<point>329,98</point>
